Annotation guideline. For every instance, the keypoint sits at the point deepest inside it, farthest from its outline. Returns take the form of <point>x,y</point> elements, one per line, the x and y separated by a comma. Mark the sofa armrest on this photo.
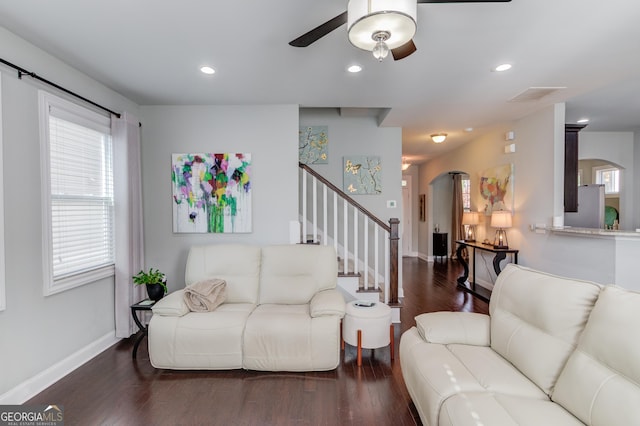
<point>455,327</point>
<point>327,303</point>
<point>172,305</point>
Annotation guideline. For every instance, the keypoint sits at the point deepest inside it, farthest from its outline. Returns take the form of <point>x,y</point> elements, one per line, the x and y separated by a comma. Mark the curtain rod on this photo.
<point>22,71</point>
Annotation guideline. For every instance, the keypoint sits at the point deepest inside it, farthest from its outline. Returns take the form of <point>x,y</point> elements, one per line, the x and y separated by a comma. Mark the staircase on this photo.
<point>367,247</point>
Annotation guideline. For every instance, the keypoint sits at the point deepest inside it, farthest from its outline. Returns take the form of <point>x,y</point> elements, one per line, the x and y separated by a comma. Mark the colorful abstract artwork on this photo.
<point>362,175</point>
<point>496,188</point>
<point>211,193</point>
<point>313,142</point>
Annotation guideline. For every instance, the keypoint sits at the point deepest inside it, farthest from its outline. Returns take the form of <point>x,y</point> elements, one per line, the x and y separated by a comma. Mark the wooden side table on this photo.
<point>143,305</point>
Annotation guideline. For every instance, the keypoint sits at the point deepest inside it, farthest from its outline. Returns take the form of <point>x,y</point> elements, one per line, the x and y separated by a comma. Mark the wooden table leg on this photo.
<point>391,339</point>
<point>359,348</point>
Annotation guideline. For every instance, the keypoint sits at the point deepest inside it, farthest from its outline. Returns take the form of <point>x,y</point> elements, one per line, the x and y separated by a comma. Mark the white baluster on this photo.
<point>324,215</point>
<point>345,242</point>
<point>335,222</point>
<point>304,206</point>
<point>366,252</point>
<point>387,248</point>
<point>376,270</point>
<point>315,209</point>
<point>355,240</point>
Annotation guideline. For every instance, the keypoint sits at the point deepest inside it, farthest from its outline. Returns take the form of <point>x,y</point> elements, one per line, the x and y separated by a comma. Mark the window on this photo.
<point>609,177</point>
<point>78,202</point>
<point>3,302</point>
<point>466,193</point>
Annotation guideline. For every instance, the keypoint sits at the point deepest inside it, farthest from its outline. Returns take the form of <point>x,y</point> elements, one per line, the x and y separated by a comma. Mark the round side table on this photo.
<point>367,325</point>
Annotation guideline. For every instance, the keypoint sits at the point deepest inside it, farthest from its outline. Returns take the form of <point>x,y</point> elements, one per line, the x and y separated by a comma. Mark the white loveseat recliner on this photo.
<point>282,312</point>
<point>554,351</point>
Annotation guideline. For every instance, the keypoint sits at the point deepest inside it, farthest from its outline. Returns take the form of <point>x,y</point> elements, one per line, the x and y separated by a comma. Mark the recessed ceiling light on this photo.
<point>583,120</point>
<point>469,129</point>
<point>502,67</point>
<point>354,68</point>
<point>207,70</point>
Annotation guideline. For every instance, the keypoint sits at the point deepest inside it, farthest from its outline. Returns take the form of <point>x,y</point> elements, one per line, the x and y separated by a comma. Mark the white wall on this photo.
<point>361,136</point>
<point>37,332</point>
<point>538,165</point>
<point>269,133</point>
<point>617,148</point>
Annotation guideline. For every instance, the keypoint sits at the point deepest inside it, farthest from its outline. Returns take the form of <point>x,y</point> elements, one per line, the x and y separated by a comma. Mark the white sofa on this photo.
<point>554,351</point>
<point>282,312</point>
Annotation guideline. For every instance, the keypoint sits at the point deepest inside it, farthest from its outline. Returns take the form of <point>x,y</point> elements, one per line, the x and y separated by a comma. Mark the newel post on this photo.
<point>394,236</point>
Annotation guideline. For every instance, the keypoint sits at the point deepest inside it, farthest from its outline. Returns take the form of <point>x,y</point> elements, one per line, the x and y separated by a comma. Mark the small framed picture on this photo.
<point>423,206</point>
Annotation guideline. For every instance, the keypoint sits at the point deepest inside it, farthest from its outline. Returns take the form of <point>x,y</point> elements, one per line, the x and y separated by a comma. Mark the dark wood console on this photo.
<point>500,254</point>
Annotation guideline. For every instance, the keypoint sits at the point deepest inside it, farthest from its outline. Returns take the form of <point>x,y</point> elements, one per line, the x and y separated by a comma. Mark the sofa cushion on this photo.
<point>435,372</point>
<point>237,264</point>
<point>281,337</point>
<point>454,327</point>
<point>207,340</point>
<point>601,382</point>
<point>171,305</point>
<point>292,274</point>
<point>536,319</point>
<point>473,409</point>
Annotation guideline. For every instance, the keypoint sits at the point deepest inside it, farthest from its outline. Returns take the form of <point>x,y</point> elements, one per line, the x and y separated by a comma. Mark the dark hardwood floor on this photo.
<point>113,389</point>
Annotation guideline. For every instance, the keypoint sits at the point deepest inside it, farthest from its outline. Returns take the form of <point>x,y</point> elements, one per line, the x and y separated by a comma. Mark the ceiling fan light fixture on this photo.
<point>367,19</point>
<point>380,50</point>
<point>438,137</point>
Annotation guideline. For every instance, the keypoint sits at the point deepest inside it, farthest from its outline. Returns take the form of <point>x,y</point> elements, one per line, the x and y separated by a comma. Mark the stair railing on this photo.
<point>365,244</point>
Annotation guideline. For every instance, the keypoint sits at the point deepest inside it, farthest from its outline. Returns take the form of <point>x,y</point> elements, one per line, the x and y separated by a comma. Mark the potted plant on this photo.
<point>155,281</point>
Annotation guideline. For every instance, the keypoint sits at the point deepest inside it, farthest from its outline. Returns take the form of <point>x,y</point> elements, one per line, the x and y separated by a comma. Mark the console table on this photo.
<point>500,254</point>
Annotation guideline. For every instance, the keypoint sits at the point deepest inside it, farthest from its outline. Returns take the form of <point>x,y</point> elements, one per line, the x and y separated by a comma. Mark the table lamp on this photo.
<point>470,220</point>
<point>501,219</point>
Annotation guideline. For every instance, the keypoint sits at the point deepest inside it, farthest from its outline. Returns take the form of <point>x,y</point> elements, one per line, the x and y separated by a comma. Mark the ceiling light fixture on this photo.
<point>502,67</point>
<point>438,137</point>
<point>405,164</point>
<point>381,26</point>
<point>354,68</point>
<point>583,120</point>
<point>207,70</point>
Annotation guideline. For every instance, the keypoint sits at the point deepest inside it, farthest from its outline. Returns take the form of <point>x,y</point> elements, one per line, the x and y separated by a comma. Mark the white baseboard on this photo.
<point>425,257</point>
<point>36,384</point>
<point>484,283</point>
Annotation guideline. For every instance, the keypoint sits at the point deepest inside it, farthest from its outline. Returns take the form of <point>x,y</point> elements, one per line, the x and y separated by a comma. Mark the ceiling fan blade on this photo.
<point>403,51</point>
<point>320,31</point>
<point>464,1</point>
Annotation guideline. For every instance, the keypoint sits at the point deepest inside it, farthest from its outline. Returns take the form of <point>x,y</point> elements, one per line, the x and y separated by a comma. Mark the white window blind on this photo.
<point>80,207</point>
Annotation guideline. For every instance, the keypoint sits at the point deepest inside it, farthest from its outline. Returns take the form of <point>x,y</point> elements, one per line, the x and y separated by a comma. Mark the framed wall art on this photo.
<point>313,144</point>
<point>496,188</point>
<point>362,175</point>
<point>211,193</point>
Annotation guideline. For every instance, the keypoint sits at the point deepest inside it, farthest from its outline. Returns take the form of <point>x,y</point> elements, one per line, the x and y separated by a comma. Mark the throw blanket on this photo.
<point>206,295</point>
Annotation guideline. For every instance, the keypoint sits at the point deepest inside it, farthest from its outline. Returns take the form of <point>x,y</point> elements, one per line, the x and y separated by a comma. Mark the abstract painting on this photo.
<point>312,144</point>
<point>211,193</point>
<point>496,188</point>
<point>362,175</point>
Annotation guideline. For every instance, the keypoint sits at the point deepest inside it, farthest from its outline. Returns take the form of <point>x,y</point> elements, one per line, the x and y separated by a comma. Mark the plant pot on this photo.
<point>155,291</point>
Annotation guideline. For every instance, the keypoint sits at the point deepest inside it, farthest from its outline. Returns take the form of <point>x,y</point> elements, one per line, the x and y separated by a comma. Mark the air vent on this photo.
<point>535,94</point>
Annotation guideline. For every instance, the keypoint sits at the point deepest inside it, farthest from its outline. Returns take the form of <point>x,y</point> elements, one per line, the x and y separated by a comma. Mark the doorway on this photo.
<point>407,220</point>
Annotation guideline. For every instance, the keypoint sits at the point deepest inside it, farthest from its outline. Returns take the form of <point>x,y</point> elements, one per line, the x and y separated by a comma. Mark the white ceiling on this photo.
<point>151,51</point>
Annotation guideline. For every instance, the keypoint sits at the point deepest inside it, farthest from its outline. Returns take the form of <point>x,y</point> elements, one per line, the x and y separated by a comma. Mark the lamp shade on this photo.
<point>501,219</point>
<point>365,18</point>
<point>470,218</point>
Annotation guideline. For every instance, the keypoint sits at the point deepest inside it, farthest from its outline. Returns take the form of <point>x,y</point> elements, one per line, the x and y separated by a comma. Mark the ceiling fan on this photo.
<point>378,26</point>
